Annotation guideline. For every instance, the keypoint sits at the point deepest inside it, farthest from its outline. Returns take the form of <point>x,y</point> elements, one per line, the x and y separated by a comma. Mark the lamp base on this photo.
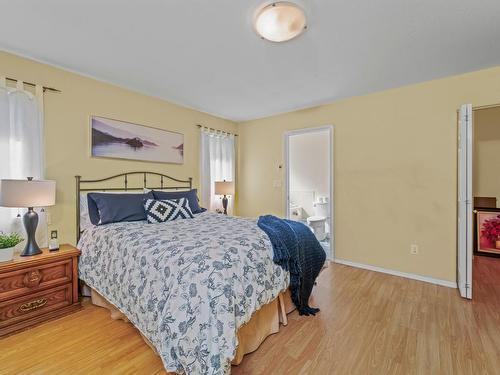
<point>224,204</point>
<point>30,220</point>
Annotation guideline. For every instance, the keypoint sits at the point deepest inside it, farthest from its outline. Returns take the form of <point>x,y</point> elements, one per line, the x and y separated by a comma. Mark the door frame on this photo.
<point>286,157</point>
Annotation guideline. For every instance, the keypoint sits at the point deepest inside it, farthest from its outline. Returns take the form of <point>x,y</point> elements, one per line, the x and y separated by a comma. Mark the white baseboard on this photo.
<point>449,284</point>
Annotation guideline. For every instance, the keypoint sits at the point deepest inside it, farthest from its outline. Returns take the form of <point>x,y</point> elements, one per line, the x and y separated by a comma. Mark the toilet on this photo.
<point>318,222</point>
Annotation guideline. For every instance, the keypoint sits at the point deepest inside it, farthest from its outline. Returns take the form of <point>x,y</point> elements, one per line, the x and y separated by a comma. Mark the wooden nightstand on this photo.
<point>38,288</point>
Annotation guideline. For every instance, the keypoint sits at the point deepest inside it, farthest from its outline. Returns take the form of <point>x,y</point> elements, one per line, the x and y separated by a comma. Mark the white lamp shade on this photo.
<point>224,187</point>
<point>24,193</point>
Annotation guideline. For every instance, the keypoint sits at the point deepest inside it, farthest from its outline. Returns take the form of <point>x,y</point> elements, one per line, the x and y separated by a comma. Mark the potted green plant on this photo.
<point>7,244</point>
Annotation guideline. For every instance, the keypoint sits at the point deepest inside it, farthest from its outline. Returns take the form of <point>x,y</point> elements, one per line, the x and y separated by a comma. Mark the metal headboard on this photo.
<point>125,185</point>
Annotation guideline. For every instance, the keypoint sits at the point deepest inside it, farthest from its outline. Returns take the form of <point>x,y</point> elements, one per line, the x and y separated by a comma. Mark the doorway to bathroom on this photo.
<point>309,182</point>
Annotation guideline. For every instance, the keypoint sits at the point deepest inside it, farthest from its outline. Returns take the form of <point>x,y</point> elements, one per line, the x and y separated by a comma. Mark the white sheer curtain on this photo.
<point>217,164</point>
<point>21,148</point>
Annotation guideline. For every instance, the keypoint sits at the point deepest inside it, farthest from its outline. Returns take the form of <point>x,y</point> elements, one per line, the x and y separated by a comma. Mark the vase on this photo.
<point>7,254</point>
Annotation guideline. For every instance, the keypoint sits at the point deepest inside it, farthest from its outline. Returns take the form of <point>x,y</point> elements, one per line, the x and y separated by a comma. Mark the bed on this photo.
<point>202,292</point>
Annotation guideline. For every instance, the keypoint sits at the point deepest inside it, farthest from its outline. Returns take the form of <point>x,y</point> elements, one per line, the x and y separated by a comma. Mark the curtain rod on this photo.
<point>45,88</point>
<point>216,130</point>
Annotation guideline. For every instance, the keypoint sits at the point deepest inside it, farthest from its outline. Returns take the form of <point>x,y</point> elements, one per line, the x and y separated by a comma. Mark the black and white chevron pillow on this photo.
<point>159,211</point>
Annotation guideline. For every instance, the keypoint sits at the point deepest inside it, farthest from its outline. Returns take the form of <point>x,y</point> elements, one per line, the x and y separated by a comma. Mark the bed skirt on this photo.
<point>264,322</point>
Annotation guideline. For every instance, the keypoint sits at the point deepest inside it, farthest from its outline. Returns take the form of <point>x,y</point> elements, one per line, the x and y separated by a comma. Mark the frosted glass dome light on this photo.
<point>280,21</point>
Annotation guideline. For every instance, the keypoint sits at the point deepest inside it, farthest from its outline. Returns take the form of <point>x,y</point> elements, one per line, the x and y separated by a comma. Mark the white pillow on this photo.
<point>85,222</point>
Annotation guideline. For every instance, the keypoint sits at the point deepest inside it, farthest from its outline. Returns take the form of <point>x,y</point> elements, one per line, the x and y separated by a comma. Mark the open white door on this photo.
<point>464,222</point>
<point>308,175</point>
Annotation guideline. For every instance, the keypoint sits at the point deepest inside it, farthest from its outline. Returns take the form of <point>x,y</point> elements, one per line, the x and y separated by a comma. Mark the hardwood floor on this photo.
<point>370,323</point>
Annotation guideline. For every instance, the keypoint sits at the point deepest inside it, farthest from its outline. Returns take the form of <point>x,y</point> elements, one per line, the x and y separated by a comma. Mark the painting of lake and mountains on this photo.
<point>124,140</point>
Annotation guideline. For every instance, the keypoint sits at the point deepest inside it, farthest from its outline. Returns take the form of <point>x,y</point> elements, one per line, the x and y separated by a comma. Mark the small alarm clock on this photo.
<point>54,242</point>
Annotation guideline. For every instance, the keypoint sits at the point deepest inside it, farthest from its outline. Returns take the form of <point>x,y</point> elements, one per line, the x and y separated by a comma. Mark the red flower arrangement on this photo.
<point>491,229</point>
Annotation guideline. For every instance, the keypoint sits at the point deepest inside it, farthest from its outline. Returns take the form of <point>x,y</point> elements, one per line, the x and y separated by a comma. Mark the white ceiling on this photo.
<point>205,55</point>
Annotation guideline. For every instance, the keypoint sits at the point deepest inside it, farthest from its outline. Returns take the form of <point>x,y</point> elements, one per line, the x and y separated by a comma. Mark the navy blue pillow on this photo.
<point>105,208</point>
<point>190,195</point>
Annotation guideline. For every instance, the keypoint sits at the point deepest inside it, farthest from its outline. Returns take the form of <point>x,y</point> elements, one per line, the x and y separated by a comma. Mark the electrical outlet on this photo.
<point>414,249</point>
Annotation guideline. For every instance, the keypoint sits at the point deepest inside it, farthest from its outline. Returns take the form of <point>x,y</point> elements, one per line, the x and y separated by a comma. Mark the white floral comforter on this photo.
<point>187,285</point>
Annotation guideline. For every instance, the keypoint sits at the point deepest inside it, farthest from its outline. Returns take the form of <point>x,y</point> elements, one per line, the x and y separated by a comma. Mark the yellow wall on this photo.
<point>487,153</point>
<point>395,158</point>
<point>67,130</point>
<point>395,170</point>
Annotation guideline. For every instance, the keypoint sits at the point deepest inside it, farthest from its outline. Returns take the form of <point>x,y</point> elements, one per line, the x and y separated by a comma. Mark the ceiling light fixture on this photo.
<point>280,21</point>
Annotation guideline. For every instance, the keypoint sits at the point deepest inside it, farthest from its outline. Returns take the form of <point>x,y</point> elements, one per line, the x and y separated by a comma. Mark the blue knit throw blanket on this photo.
<point>296,250</point>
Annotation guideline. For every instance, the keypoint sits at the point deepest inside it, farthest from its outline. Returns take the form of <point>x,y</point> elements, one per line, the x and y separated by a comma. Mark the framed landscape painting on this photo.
<point>124,140</point>
<point>488,232</point>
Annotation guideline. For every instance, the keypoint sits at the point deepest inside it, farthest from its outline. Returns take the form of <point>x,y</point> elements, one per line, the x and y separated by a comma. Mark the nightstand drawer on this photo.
<point>24,281</point>
<point>35,304</point>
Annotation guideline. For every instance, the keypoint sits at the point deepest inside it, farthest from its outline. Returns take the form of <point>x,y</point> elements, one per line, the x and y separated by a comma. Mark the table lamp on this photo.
<point>28,193</point>
<point>224,188</point>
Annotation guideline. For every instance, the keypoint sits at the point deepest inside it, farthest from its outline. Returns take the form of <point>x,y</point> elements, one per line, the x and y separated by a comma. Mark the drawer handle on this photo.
<point>32,279</point>
<point>33,305</point>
